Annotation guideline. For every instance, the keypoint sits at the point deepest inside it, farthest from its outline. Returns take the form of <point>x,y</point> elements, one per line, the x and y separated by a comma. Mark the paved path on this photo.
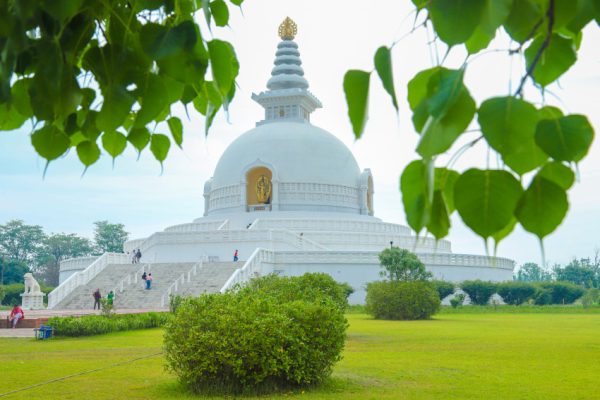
<point>28,332</point>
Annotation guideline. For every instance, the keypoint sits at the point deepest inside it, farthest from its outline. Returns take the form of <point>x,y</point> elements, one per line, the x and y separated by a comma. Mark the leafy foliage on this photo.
<point>398,300</point>
<point>557,293</point>
<point>538,142</point>
<point>516,293</point>
<point>255,338</point>
<point>99,324</point>
<point>87,71</point>
<point>531,272</point>
<point>479,291</point>
<point>402,265</point>
<point>109,237</point>
<point>444,288</point>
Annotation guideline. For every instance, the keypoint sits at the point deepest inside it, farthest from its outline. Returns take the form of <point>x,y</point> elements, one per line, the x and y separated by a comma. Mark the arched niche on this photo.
<point>259,188</point>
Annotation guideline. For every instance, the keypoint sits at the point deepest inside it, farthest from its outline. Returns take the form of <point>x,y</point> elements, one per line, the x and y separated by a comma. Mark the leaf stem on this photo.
<point>545,43</point>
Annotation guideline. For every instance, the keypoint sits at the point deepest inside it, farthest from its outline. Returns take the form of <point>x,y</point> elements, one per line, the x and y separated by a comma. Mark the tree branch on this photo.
<point>538,55</point>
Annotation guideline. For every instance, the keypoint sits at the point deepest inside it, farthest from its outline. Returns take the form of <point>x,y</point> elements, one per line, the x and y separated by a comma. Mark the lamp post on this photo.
<point>391,244</point>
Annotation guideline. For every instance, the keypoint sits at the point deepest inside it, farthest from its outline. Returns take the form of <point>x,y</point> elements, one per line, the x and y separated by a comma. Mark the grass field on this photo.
<point>455,356</point>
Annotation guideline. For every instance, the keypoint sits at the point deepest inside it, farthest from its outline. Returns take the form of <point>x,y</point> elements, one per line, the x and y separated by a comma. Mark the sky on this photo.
<point>333,36</point>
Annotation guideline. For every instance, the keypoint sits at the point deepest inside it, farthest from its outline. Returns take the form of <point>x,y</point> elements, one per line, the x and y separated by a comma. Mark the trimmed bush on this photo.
<point>479,291</point>
<point>557,293</point>
<point>457,300</point>
<point>308,287</point>
<point>444,288</point>
<point>99,324</point>
<point>590,298</point>
<point>402,300</point>
<point>516,293</point>
<point>254,339</point>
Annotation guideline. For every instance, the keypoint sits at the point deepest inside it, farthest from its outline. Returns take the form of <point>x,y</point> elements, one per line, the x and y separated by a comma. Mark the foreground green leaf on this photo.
<point>50,142</point>
<point>565,139</point>
<point>486,199</point>
<point>356,89</point>
<point>383,65</point>
<point>542,207</point>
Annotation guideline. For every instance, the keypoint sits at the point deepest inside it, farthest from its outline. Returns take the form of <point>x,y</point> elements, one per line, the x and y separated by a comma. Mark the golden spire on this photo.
<point>288,29</point>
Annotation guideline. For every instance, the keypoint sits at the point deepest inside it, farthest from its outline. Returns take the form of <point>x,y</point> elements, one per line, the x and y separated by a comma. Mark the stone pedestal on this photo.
<point>32,301</point>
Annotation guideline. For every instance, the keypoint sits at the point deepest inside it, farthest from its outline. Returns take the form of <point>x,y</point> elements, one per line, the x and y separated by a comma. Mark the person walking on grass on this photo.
<point>97,296</point>
<point>148,281</point>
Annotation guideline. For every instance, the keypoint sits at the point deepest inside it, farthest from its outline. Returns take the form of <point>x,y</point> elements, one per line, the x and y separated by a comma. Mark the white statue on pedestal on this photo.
<point>32,298</point>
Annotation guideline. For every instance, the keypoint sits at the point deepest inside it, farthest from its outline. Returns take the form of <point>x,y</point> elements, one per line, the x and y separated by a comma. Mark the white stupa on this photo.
<point>291,198</point>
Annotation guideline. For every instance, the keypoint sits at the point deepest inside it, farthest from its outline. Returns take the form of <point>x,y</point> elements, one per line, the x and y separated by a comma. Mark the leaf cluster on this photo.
<point>540,143</point>
<point>97,74</point>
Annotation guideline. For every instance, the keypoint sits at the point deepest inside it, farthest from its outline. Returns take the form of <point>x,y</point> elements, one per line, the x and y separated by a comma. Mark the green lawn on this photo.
<point>455,356</point>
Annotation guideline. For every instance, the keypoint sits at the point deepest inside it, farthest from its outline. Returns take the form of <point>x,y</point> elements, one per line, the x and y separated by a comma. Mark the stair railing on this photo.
<point>181,280</point>
<point>83,277</point>
<point>253,267</point>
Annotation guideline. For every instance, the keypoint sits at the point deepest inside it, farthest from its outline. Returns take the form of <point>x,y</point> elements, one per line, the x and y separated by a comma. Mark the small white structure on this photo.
<point>32,298</point>
<point>291,198</point>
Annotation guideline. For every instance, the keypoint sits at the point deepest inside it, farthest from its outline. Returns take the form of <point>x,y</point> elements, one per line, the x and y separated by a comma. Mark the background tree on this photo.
<point>531,272</point>
<point>539,146</point>
<point>402,265</point>
<point>21,242</point>
<point>109,237</point>
<point>86,72</point>
<point>58,247</point>
<point>12,271</point>
<point>581,272</point>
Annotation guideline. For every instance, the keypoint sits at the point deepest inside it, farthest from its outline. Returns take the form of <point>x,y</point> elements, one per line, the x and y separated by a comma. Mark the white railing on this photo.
<point>376,241</point>
<point>129,279</point>
<point>181,280</point>
<point>304,225</point>
<point>296,240</point>
<point>83,277</point>
<point>252,268</point>
<point>371,257</point>
<point>196,226</point>
<point>224,225</point>
<point>77,263</point>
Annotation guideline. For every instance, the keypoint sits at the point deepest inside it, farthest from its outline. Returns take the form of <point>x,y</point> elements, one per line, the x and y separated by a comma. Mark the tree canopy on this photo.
<point>100,74</point>
<point>109,237</point>
<point>402,265</point>
<point>540,145</point>
<point>91,73</point>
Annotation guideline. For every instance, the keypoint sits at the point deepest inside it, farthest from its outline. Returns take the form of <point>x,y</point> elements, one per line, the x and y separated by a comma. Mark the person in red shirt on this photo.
<point>15,315</point>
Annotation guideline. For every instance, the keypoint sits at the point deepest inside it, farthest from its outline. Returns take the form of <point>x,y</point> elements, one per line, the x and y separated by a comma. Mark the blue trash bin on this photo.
<point>45,332</point>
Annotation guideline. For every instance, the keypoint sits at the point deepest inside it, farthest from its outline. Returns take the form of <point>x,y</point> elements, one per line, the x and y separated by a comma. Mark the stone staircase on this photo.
<point>81,297</point>
<point>209,278</point>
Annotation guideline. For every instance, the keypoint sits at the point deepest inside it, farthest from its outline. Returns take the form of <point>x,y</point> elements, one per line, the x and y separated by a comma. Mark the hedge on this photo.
<point>479,291</point>
<point>444,288</point>
<point>99,324</point>
<point>516,293</point>
<point>557,293</point>
<point>402,300</point>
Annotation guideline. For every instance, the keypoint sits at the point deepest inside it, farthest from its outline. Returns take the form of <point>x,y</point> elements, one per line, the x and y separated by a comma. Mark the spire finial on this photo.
<point>288,29</point>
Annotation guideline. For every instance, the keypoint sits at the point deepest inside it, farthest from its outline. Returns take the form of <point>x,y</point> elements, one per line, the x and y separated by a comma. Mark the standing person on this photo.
<point>133,256</point>
<point>110,297</point>
<point>97,296</point>
<point>148,281</point>
<point>16,315</point>
<point>144,276</point>
<point>138,255</point>
<point>235,255</point>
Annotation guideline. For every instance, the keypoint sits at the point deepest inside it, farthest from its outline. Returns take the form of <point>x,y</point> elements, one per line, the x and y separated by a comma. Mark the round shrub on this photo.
<point>402,300</point>
<point>479,291</point>
<point>516,293</point>
<point>309,287</point>
<point>444,288</point>
<point>251,341</point>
